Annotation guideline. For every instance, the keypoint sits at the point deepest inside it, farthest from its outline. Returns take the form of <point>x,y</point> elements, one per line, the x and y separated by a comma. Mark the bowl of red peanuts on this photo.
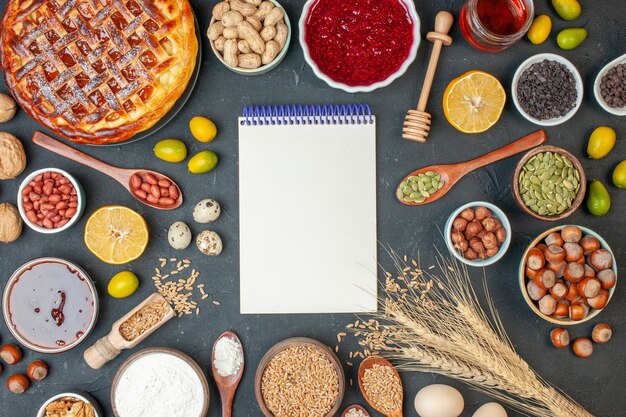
<point>50,200</point>
<point>568,275</point>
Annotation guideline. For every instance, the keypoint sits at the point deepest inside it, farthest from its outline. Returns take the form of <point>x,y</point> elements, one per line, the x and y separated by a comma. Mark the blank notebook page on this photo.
<point>307,208</point>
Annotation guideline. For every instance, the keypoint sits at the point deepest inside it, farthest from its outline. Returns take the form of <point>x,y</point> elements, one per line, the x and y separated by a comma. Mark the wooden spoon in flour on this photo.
<point>227,385</point>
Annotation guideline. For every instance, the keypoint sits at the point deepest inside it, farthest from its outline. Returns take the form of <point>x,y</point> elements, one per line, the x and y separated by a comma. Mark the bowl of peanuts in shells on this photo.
<point>50,200</point>
<point>250,37</point>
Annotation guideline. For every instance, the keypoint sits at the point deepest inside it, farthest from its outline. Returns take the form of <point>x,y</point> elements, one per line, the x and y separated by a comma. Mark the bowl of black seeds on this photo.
<point>547,89</point>
<point>610,87</point>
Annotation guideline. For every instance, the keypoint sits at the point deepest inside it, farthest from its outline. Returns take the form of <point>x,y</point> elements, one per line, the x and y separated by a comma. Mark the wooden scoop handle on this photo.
<point>100,353</point>
<point>53,145</point>
<point>443,23</point>
<point>520,145</point>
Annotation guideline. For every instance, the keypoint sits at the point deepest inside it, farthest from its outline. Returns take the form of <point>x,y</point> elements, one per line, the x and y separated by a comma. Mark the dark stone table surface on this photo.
<point>598,383</point>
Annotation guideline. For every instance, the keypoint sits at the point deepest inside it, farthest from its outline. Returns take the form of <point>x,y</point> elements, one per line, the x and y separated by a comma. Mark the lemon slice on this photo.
<point>116,234</point>
<point>473,102</point>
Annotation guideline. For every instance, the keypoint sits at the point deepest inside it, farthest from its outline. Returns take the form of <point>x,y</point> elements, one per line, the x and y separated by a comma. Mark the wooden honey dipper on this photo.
<point>417,122</point>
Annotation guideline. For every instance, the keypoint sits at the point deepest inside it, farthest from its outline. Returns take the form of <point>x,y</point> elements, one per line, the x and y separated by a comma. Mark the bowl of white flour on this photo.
<point>160,382</point>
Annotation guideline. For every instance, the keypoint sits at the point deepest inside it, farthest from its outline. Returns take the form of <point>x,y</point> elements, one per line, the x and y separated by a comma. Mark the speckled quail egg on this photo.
<point>439,400</point>
<point>206,211</point>
<point>209,243</point>
<point>179,235</point>
<point>490,410</point>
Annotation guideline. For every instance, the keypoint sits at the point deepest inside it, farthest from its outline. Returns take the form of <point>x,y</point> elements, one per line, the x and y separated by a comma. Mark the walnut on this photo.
<point>7,108</point>
<point>12,156</point>
<point>10,223</point>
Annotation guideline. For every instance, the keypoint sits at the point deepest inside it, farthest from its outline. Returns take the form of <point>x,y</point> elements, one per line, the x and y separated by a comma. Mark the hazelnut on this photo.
<point>457,237</point>
<point>12,156</point>
<point>470,254</point>
<point>18,384</point>
<point>461,246</point>
<point>11,354</point>
<point>489,224</point>
<point>10,223</point>
<point>489,240</point>
<point>500,234</point>
<point>37,370</point>
<point>492,252</point>
<point>477,245</point>
<point>467,214</point>
<point>7,108</point>
<point>482,213</point>
<point>459,224</point>
<point>473,228</point>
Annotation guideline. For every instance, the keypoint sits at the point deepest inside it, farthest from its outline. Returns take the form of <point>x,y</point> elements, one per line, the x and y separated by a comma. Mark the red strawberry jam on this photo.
<point>358,42</point>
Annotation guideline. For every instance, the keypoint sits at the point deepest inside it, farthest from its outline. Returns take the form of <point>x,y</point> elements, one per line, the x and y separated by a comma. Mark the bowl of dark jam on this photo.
<point>50,305</point>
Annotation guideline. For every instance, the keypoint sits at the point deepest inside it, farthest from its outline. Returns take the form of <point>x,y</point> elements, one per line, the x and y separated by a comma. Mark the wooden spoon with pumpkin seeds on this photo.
<point>429,184</point>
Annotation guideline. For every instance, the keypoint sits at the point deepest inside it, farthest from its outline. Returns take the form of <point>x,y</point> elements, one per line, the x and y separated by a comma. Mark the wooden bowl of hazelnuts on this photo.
<point>478,233</point>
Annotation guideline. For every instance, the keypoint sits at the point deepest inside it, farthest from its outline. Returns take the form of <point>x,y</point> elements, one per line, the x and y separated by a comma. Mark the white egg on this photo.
<point>490,410</point>
<point>439,400</point>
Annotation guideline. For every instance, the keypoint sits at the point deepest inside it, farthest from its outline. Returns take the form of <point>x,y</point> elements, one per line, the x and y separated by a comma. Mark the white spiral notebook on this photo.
<point>307,209</point>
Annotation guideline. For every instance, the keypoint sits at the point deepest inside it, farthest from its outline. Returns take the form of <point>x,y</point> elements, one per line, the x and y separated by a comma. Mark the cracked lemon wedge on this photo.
<point>116,234</point>
<point>474,101</point>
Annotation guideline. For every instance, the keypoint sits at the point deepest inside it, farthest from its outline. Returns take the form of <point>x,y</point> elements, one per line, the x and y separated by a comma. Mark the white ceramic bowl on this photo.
<point>410,6</point>
<point>523,280</point>
<point>498,214</point>
<point>263,68</point>
<point>577,79</point>
<point>598,81</point>
<point>84,397</point>
<point>79,192</point>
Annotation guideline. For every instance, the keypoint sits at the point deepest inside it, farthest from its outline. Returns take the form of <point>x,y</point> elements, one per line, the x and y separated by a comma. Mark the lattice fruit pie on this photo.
<point>98,71</point>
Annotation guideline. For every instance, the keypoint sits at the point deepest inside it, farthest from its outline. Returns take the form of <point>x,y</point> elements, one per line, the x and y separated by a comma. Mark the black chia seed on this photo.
<point>613,86</point>
<point>547,90</point>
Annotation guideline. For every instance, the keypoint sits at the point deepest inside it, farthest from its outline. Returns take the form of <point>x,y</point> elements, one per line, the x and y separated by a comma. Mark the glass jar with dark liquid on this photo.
<point>494,25</point>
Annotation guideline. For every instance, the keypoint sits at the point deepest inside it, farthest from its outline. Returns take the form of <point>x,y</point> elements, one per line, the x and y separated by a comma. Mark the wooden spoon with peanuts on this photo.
<point>452,173</point>
<point>150,187</point>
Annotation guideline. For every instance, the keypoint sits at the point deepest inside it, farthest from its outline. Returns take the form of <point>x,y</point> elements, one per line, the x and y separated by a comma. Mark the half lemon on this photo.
<point>116,234</point>
<point>474,101</point>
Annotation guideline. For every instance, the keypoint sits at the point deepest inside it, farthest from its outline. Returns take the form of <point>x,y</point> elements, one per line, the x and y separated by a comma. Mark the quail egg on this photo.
<point>209,243</point>
<point>206,211</point>
<point>179,235</point>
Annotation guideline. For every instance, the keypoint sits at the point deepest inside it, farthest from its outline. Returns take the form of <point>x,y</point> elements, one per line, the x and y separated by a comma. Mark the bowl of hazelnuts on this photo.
<point>478,233</point>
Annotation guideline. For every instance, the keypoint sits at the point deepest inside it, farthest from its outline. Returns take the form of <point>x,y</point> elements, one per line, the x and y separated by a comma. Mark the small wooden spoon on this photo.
<point>358,407</point>
<point>452,173</point>
<point>227,385</point>
<point>368,363</point>
<point>121,175</point>
<point>112,344</point>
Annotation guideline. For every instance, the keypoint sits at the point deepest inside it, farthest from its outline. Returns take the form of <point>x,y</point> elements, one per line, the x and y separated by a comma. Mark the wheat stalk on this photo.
<point>443,329</point>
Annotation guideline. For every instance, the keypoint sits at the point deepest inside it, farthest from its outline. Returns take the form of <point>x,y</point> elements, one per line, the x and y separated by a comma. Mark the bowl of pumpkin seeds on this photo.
<point>549,183</point>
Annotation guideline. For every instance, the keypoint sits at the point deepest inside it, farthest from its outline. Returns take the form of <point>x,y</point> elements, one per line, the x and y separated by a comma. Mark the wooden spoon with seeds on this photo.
<point>450,174</point>
<point>368,363</point>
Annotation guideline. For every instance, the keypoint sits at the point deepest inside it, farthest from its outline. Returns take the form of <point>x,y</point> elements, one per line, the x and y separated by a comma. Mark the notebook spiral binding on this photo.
<point>307,115</point>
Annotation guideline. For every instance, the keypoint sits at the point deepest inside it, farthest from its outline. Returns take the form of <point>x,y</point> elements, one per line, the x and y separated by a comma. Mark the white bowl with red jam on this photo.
<point>359,45</point>
<point>50,305</point>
